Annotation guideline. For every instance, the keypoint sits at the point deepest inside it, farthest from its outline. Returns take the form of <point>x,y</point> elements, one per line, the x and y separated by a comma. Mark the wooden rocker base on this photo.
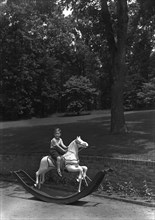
<point>28,183</point>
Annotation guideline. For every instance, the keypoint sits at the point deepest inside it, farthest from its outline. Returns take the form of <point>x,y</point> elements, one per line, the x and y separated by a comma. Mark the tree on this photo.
<point>103,40</point>
<point>79,94</point>
<point>140,44</point>
<point>146,96</point>
<point>33,42</point>
<point>114,22</point>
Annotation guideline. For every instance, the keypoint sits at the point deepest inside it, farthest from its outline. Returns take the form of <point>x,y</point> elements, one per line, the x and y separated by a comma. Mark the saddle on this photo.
<point>62,163</point>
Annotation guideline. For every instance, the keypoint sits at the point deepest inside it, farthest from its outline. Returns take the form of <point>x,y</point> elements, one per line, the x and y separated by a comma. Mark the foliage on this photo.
<point>40,49</point>
<point>30,66</point>
<point>128,189</point>
<point>147,95</point>
<point>146,191</point>
<point>109,28</point>
<point>38,56</point>
<point>75,106</point>
<point>79,93</point>
<point>139,93</point>
<point>132,87</point>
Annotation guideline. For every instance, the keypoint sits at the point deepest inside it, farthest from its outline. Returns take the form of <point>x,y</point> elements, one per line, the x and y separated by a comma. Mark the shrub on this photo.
<point>79,94</point>
<point>146,96</point>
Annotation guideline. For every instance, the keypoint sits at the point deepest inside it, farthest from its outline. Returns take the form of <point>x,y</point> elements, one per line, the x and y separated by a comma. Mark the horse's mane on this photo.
<point>72,151</point>
<point>71,144</point>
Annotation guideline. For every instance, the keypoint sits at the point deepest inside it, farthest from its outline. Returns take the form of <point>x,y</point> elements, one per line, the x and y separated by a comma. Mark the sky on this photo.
<point>67,12</point>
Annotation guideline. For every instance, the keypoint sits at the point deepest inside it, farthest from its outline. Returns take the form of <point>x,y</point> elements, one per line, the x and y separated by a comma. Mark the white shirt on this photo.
<point>54,142</point>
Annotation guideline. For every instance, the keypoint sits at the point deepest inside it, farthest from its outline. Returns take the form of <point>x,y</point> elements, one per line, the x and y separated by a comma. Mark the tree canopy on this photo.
<point>108,43</point>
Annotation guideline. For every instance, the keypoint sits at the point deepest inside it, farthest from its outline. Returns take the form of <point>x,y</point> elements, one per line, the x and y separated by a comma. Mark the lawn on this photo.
<point>139,143</point>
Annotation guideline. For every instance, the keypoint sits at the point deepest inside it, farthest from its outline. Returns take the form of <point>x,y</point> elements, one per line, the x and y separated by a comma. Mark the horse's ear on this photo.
<point>78,137</point>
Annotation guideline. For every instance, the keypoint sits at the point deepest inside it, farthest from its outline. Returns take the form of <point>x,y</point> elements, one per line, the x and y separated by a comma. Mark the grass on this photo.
<point>139,143</point>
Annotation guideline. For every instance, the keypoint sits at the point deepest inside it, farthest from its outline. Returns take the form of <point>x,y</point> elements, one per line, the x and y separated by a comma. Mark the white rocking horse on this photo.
<point>71,163</point>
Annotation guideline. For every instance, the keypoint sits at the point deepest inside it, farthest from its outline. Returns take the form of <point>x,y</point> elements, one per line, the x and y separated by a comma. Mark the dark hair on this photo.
<point>57,130</point>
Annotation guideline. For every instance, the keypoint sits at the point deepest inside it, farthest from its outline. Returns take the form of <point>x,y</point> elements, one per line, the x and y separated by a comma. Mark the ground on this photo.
<point>34,135</point>
<point>18,204</point>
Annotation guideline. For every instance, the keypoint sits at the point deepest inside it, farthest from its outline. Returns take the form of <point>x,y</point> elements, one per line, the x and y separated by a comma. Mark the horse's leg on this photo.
<point>84,171</point>
<point>44,167</point>
<point>74,168</point>
<point>37,179</point>
<point>80,173</point>
<point>79,188</point>
<point>41,178</point>
<point>38,182</point>
<point>88,178</point>
<point>84,174</point>
<point>42,173</point>
<point>80,177</point>
<point>86,182</point>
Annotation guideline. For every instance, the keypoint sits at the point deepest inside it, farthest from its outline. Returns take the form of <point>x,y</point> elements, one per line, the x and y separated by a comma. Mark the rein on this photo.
<point>73,161</point>
<point>70,151</point>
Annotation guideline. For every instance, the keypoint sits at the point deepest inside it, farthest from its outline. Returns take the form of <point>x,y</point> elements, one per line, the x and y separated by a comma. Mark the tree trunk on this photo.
<point>117,46</point>
<point>117,110</point>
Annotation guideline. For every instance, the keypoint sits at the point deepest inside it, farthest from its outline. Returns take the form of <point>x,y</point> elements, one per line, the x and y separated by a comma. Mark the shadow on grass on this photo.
<point>139,142</point>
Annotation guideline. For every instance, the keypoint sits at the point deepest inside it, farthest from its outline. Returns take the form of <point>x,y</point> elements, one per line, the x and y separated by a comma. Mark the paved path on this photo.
<point>16,204</point>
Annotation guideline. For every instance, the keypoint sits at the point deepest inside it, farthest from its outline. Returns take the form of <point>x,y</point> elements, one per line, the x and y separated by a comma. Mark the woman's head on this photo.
<point>57,132</point>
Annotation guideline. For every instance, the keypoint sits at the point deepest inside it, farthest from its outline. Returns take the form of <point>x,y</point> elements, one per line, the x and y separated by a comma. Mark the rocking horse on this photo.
<point>71,163</point>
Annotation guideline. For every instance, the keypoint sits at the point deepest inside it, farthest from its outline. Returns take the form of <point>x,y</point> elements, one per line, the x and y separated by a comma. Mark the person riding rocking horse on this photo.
<point>57,149</point>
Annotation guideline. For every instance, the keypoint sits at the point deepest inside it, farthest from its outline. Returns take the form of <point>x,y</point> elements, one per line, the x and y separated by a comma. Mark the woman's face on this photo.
<point>57,135</point>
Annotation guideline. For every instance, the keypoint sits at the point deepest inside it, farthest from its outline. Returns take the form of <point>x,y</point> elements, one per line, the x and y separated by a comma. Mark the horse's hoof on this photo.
<point>78,179</point>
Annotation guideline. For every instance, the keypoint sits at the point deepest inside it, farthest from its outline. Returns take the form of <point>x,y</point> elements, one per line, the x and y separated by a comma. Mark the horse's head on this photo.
<point>73,148</point>
<point>80,143</point>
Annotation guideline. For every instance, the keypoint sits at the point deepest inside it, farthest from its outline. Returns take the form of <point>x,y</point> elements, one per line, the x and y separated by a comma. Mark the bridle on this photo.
<point>79,143</point>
